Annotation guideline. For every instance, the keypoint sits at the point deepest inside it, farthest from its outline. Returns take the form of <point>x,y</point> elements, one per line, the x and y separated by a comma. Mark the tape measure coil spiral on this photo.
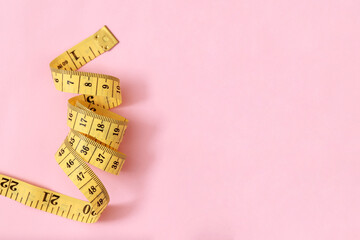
<point>94,136</point>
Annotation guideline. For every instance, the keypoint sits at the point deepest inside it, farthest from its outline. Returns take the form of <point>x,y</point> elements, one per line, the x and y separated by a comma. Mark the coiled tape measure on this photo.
<point>94,137</point>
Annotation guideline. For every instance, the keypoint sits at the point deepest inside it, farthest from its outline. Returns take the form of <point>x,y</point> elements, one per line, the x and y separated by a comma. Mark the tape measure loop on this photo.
<point>94,136</point>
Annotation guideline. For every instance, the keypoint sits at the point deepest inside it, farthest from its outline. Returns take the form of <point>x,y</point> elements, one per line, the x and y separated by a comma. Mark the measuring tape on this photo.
<point>94,136</point>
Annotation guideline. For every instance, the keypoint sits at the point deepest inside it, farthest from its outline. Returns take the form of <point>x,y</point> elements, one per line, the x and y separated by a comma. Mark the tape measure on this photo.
<point>94,136</point>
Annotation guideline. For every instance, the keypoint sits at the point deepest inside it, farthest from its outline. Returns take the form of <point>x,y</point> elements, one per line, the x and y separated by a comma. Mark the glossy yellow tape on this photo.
<point>94,137</point>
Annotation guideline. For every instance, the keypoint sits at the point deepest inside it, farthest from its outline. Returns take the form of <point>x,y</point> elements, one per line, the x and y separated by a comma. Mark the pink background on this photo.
<point>244,117</point>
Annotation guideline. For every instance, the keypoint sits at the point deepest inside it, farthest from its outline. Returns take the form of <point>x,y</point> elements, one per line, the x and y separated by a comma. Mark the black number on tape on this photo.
<point>61,152</point>
<point>100,127</point>
<point>53,198</point>
<point>100,158</point>
<point>70,163</point>
<point>116,131</point>
<point>4,182</point>
<point>83,122</point>
<point>12,185</point>
<point>86,209</point>
<point>71,141</point>
<point>89,99</point>
<point>80,176</point>
<point>115,164</point>
<point>85,150</point>
<point>92,189</point>
<point>100,202</point>
<point>62,64</point>
<point>74,55</point>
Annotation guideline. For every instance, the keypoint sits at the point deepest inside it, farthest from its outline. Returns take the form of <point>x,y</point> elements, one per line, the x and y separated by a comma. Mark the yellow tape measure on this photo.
<point>94,137</point>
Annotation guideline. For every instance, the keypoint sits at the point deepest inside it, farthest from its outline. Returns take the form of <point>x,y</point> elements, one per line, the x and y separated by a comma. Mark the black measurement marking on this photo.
<point>97,82</point>
<point>79,85</point>
<point>62,213</point>
<point>88,217</point>
<point>64,158</point>
<point>96,197</point>
<point>21,200</point>
<point>107,100</point>
<point>62,82</point>
<point>92,51</point>
<point>107,164</point>
<point>41,206</point>
<point>108,129</point>
<point>91,125</point>
<point>92,155</point>
<point>75,118</point>
<point>74,170</point>
<point>52,209</point>
<point>112,93</point>
<point>85,184</point>
<point>84,59</point>
<point>31,203</point>
<point>78,143</point>
<point>68,211</point>
<point>11,195</point>
<point>37,203</point>
<point>82,219</point>
<point>78,217</point>
<point>8,186</point>
<point>16,196</point>
<point>58,210</point>
<point>99,52</point>
<point>73,216</point>
<point>27,198</point>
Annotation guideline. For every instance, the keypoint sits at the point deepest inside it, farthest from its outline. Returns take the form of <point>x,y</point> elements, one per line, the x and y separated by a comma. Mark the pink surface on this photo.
<point>244,117</point>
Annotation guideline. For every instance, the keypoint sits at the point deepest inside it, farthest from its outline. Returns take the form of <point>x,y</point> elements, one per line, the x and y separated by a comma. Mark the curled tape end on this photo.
<point>105,38</point>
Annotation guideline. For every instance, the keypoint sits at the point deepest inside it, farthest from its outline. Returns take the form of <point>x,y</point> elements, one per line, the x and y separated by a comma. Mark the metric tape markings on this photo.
<point>95,134</point>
